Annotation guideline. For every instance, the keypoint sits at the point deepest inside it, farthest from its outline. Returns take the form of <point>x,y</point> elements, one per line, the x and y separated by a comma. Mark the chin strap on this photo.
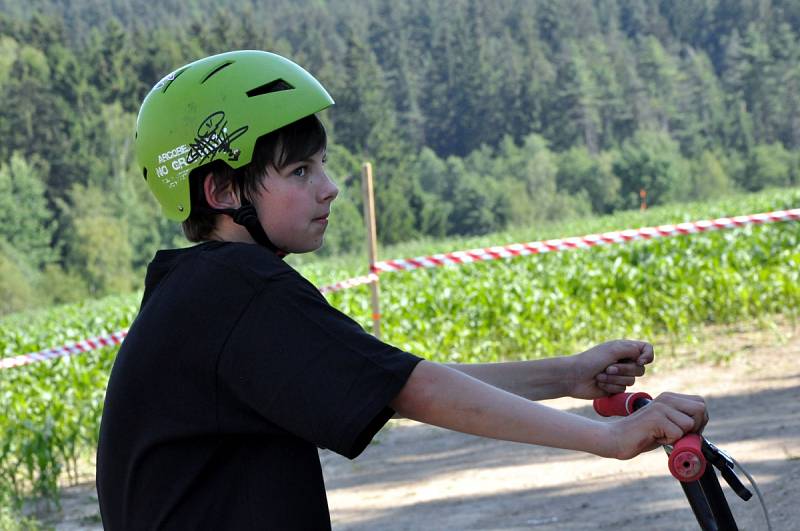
<point>247,217</point>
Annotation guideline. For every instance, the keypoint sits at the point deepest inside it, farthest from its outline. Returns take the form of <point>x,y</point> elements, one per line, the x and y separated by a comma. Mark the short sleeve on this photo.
<point>303,366</point>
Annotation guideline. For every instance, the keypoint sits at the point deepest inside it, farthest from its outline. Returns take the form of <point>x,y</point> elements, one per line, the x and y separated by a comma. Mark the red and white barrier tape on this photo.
<point>116,338</point>
<point>350,283</point>
<point>67,350</point>
<point>584,242</point>
<point>462,257</point>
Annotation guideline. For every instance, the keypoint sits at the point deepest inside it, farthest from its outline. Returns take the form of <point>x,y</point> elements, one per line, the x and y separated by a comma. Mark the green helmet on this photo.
<point>215,109</point>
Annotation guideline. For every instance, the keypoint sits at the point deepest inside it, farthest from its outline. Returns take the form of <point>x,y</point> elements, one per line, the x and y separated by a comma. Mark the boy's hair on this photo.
<point>292,143</point>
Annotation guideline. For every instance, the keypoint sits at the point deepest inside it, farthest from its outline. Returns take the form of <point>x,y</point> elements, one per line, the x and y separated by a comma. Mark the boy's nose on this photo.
<point>328,189</point>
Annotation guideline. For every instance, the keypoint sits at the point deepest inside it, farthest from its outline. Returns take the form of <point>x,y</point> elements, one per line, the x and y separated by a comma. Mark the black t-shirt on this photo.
<point>235,370</point>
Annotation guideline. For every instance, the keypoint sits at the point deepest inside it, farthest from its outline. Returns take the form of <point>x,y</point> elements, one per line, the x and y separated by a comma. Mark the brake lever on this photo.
<point>724,464</point>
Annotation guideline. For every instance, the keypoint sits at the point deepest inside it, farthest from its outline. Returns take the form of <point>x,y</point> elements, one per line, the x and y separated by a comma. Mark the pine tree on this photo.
<point>26,222</point>
<point>700,118</point>
<point>574,115</point>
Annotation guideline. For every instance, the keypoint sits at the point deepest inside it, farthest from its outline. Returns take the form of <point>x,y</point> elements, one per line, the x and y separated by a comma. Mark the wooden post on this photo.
<point>372,242</point>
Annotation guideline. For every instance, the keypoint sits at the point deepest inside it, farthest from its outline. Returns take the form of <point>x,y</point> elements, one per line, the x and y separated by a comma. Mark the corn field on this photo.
<point>525,307</point>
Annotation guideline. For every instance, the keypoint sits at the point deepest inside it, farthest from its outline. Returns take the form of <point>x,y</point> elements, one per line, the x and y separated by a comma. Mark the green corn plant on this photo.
<point>525,307</point>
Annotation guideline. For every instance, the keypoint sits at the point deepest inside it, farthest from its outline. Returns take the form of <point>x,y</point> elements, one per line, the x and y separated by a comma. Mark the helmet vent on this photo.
<point>216,70</point>
<point>273,86</point>
<point>170,79</point>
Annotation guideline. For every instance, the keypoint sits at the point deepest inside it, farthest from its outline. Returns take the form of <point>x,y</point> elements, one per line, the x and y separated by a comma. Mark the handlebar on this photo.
<point>686,460</point>
<point>621,404</point>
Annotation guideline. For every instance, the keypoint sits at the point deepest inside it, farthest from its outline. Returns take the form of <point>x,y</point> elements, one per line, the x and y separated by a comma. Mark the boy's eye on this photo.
<point>299,172</point>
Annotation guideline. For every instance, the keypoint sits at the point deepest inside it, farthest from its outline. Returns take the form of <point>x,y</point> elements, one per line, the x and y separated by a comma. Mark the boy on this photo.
<point>236,369</point>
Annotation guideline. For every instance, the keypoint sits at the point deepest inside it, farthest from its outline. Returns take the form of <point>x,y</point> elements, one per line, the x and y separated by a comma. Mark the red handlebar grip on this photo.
<point>687,462</point>
<point>618,405</point>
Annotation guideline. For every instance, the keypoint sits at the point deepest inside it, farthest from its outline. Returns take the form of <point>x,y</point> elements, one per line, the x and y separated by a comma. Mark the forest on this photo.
<point>477,116</point>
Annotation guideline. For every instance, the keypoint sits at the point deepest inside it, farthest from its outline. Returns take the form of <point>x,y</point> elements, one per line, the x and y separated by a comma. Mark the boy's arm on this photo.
<point>604,369</point>
<point>438,395</point>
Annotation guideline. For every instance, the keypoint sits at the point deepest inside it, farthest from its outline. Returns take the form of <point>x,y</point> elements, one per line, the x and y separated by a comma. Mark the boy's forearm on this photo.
<point>540,379</point>
<point>436,394</point>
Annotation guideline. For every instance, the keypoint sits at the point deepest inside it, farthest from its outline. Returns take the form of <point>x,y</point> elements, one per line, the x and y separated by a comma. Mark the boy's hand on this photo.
<point>608,368</point>
<point>663,421</point>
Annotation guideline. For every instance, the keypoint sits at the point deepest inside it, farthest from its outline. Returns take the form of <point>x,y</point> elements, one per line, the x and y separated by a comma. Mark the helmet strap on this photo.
<point>247,217</point>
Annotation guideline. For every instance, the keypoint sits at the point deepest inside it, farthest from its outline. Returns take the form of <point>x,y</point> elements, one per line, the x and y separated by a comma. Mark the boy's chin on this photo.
<point>309,248</point>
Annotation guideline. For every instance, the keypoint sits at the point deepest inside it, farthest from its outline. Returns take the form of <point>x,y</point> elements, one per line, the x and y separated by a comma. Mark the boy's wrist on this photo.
<point>608,439</point>
<point>571,375</point>
<point>560,376</point>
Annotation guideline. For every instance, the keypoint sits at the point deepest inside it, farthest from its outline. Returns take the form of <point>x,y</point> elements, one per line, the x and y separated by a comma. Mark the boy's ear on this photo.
<point>220,193</point>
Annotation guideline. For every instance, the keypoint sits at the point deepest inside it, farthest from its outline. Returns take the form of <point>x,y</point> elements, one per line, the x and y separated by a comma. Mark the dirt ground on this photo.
<point>420,477</point>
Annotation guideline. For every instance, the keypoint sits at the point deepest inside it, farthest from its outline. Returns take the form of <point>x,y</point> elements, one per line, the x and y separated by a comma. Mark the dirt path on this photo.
<point>420,477</point>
